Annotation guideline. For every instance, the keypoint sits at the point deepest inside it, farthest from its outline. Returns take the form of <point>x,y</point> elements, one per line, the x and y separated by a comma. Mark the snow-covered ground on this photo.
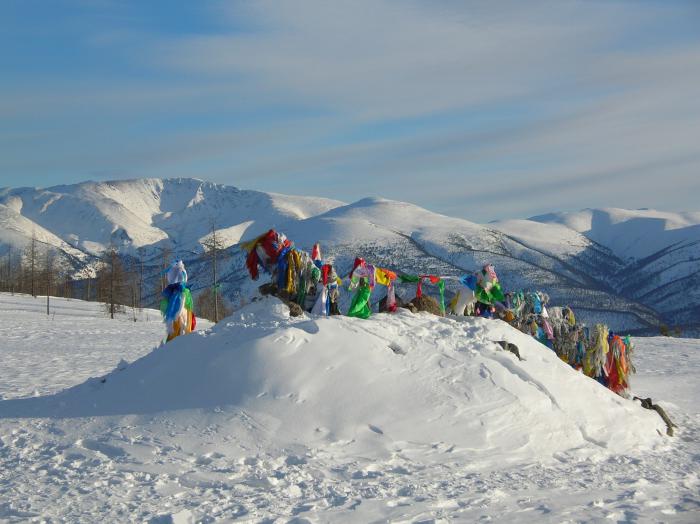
<point>43,354</point>
<point>400,418</point>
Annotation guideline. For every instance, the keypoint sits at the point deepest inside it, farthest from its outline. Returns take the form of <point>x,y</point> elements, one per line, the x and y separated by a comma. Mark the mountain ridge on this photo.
<point>576,257</point>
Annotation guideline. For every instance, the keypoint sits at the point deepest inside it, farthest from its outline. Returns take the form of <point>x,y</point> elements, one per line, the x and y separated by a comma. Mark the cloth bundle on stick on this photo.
<point>619,364</point>
<point>366,275</point>
<point>265,251</point>
<point>327,301</point>
<point>176,304</point>
<point>465,296</point>
<point>360,302</point>
<point>488,289</point>
<point>295,273</point>
<point>596,364</point>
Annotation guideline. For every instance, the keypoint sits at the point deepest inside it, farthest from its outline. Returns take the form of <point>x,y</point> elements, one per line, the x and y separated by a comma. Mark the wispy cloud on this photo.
<point>484,101</point>
<point>379,59</point>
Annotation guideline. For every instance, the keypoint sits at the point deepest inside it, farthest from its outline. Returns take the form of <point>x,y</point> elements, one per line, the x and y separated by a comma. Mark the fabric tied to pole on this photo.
<point>547,329</point>
<point>391,298</point>
<point>321,304</point>
<point>468,281</point>
<point>371,275</point>
<point>282,268</point>
<point>174,294</point>
<point>316,252</point>
<point>360,302</point>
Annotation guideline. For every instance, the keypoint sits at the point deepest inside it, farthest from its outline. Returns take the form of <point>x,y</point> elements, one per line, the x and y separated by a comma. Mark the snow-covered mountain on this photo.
<point>660,253</point>
<point>132,214</point>
<point>631,269</point>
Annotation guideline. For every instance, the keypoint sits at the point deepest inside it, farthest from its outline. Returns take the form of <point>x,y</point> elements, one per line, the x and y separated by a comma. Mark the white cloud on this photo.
<point>380,59</point>
<point>598,91</point>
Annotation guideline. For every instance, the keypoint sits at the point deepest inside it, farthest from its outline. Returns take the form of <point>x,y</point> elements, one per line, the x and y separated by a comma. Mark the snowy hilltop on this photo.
<point>400,417</point>
<point>633,270</point>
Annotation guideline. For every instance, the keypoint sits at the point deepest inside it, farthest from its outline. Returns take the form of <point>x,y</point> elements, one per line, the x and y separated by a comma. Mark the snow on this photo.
<point>667,369</point>
<point>635,268</point>
<point>549,237</point>
<point>630,234</point>
<point>401,418</point>
<point>16,231</point>
<point>44,354</point>
<point>404,237</point>
<point>147,212</point>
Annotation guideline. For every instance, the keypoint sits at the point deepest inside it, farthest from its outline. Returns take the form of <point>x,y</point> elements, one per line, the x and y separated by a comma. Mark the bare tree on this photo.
<point>87,279</point>
<point>112,258</point>
<point>52,272</point>
<point>214,253</point>
<point>49,274</point>
<point>135,278</point>
<point>9,275</point>
<point>133,301</point>
<point>32,254</point>
<point>204,305</point>
<point>113,281</point>
<point>140,262</point>
<point>165,255</point>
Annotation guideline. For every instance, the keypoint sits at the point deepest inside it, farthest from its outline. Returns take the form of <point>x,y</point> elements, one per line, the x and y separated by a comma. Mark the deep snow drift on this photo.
<point>396,382</point>
<point>401,417</point>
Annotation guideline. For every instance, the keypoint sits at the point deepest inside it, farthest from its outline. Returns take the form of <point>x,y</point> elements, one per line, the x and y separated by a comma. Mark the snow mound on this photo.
<point>418,384</point>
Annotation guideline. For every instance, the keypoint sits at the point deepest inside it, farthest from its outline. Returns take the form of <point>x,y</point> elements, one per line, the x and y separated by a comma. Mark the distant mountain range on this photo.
<point>631,269</point>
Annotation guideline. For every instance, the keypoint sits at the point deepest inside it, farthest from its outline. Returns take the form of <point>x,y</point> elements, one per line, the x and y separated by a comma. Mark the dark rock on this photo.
<point>509,346</point>
<point>294,309</point>
<point>270,289</point>
<point>426,303</point>
<point>410,307</point>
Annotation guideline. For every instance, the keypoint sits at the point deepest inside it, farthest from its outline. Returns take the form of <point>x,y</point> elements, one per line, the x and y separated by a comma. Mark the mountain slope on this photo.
<point>411,239</point>
<point>17,231</point>
<point>589,260</point>
<point>630,234</point>
<point>660,250</point>
<point>133,214</point>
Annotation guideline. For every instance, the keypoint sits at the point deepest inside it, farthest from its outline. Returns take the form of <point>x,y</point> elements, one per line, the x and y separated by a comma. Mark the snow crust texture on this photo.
<point>399,418</point>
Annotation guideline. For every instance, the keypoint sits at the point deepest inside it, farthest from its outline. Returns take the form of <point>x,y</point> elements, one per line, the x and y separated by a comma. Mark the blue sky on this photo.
<point>482,110</point>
